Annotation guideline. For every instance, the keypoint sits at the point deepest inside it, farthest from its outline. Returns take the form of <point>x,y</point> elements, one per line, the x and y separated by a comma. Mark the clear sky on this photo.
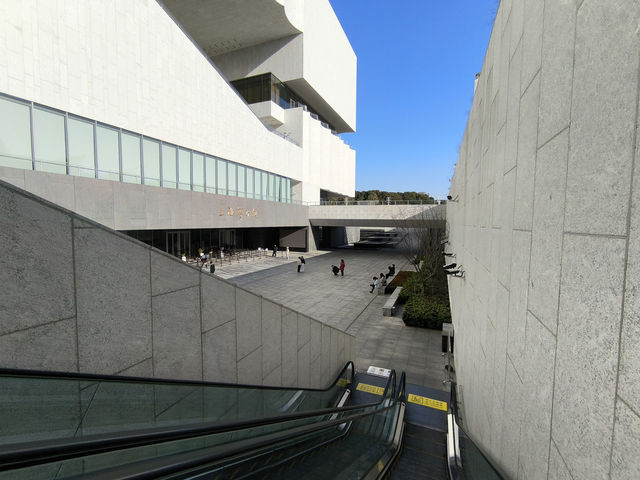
<point>417,61</point>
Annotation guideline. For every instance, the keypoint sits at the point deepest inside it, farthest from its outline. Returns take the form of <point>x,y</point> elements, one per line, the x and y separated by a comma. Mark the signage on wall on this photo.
<point>238,212</point>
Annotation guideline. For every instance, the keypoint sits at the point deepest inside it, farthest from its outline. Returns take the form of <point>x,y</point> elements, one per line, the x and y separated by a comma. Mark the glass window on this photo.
<point>278,184</point>
<point>222,176</point>
<point>184,169</point>
<point>169,172</point>
<point>257,191</point>
<point>272,187</point>
<point>198,172</point>
<point>210,168</point>
<point>249,182</point>
<point>231,178</point>
<point>265,186</point>
<point>131,158</point>
<point>81,154</point>
<point>15,135</point>
<point>241,175</point>
<point>283,189</point>
<point>108,153</point>
<point>288,190</point>
<point>151,162</point>
<point>48,141</point>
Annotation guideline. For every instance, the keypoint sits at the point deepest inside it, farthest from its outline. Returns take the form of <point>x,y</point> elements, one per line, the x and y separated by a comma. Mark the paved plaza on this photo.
<point>345,303</point>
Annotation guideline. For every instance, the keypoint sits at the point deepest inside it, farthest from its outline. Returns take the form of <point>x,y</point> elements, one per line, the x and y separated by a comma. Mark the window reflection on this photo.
<point>169,167</point>
<point>15,135</point>
<point>81,153</point>
<point>108,153</point>
<point>221,172</point>
<point>198,172</point>
<point>48,141</point>
<point>210,168</point>
<point>241,175</point>
<point>184,169</point>
<point>131,158</point>
<point>151,162</point>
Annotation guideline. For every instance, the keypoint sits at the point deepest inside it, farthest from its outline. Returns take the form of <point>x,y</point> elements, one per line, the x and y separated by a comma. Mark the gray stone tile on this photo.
<point>518,299</point>
<point>94,199</point>
<point>532,40</point>
<point>289,347</point>
<point>558,469</point>
<point>626,443</point>
<point>538,381</point>
<point>304,366</point>
<point>248,322</point>
<point>601,151</point>
<point>114,305</point>
<point>177,348</point>
<point>274,378</point>
<point>526,168</point>
<point>26,268</point>
<point>514,398</point>
<point>250,368</point>
<point>47,347</point>
<point>170,274</point>
<point>315,338</point>
<point>588,330</point>
<point>303,330</point>
<point>548,220</point>
<point>219,352</point>
<point>271,338</point>
<point>141,369</point>
<point>513,110</point>
<point>556,77</point>
<point>218,302</point>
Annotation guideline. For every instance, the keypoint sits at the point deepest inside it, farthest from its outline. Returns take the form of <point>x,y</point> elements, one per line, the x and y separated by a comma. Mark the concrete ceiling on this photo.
<point>221,26</point>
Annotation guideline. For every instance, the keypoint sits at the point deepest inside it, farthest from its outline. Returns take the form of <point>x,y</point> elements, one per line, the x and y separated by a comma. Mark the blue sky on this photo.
<point>417,61</point>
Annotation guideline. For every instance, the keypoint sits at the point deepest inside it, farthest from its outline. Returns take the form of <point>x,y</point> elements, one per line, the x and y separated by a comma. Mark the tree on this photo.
<point>422,234</point>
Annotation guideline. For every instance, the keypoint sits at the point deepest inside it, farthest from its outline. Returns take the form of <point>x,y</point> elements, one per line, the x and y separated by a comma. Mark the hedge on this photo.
<point>425,312</point>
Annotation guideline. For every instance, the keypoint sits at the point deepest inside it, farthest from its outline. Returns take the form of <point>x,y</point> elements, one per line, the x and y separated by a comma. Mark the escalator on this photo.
<point>58,426</point>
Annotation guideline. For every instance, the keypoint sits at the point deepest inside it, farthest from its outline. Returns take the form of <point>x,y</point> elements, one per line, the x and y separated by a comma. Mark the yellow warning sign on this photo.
<point>363,387</point>
<point>428,402</point>
<point>343,382</point>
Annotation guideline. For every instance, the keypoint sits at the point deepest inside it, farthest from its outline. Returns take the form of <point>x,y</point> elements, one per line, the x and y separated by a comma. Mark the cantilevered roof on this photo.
<point>221,26</point>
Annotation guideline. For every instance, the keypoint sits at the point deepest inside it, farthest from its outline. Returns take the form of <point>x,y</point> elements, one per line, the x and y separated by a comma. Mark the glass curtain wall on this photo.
<point>49,146</point>
<point>36,137</point>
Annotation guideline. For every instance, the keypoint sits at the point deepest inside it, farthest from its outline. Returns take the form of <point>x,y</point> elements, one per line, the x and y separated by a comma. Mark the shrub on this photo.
<point>398,281</point>
<point>425,312</point>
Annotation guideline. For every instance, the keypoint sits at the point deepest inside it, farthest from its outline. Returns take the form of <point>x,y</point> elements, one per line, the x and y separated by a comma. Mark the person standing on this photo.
<point>342,267</point>
<point>299,264</point>
<point>287,252</point>
<point>303,263</point>
<point>275,250</point>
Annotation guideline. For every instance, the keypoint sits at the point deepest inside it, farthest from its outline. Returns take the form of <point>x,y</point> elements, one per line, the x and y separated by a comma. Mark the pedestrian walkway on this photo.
<point>345,303</point>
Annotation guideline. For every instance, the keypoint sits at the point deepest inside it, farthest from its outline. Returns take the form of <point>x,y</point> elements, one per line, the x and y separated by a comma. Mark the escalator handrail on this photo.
<point>13,372</point>
<point>44,451</point>
<point>158,467</point>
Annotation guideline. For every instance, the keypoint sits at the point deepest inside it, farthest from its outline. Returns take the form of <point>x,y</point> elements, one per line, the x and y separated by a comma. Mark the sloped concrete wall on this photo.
<point>546,226</point>
<point>79,297</point>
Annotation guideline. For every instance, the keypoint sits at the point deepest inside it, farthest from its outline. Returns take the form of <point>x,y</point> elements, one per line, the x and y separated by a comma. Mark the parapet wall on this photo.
<point>79,297</point>
<point>546,225</point>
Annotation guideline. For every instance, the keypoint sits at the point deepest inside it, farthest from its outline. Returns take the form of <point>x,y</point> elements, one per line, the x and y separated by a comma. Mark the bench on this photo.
<point>389,307</point>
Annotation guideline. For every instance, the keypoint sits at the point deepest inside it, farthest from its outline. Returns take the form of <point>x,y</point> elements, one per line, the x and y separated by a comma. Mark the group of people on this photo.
<point>340,269</point>
<point>381,281</point>
<point>275,251</point>
<point>301,264</point>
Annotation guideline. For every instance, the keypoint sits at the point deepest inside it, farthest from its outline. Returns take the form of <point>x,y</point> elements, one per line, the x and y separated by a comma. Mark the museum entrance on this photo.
<point>178,243</point>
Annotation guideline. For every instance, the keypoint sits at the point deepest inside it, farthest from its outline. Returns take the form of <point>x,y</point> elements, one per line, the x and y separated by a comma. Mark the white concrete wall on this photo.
<point>546,226</point>
<point>321,57</point>
<point>128,64</point>
<point>79,297</point>
<point>329,163</point>
<point>127,206</point>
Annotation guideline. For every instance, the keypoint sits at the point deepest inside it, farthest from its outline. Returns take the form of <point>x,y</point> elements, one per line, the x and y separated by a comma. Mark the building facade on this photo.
<point>125,112</point>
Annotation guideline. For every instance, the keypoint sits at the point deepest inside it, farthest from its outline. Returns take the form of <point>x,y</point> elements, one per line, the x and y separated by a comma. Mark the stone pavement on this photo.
<point>345,303</point>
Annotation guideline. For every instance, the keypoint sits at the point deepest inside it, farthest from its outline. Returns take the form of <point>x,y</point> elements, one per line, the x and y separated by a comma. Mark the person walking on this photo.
<point>299,264</point>
<point>287,252</point>
<point>303,263</point>
<point>275,250</point>
<point>342,267</point>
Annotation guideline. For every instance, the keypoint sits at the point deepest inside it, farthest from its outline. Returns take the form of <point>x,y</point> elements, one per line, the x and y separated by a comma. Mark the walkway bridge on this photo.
<point>377,215</point>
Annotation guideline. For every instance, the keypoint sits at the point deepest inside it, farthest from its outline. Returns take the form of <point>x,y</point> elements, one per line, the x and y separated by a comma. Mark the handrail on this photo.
<point>13,372</point>
<point>44,451</point>
<point>154,468</point>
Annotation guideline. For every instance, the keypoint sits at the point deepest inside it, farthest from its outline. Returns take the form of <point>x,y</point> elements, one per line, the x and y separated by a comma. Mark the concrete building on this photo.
<point>126,113</point>
<point>545,222</point>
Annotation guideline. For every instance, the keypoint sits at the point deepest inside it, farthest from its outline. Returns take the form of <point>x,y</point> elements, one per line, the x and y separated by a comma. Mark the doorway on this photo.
<point>179,243</point>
